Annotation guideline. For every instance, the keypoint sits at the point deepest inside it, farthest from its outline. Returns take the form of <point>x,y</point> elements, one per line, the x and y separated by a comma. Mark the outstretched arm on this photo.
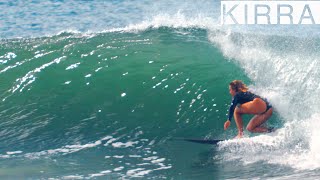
<point>231,111</point>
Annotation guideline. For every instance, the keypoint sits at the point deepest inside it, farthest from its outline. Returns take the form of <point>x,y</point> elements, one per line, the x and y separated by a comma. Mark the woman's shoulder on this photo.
<point>243,93</point>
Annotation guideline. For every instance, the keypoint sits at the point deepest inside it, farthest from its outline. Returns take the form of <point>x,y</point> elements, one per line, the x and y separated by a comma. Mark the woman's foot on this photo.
<point>239,136</point>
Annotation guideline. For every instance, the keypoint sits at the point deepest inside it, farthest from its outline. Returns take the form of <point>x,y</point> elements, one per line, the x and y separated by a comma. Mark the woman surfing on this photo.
<point>245,102</point>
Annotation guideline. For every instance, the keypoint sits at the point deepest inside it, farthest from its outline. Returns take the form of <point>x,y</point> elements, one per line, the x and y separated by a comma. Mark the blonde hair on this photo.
<point>238,86</point>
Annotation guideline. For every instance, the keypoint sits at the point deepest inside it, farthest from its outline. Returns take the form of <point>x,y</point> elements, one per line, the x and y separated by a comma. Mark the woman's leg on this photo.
<point>257,106</point>
<point>238,118</point>
<point>255,123</point>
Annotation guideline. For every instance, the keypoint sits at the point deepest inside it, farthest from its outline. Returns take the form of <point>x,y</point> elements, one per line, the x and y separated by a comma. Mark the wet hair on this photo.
<point>238,86</point>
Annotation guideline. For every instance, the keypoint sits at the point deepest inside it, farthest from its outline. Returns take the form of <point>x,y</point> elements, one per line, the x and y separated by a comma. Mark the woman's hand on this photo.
<point>227,124</point>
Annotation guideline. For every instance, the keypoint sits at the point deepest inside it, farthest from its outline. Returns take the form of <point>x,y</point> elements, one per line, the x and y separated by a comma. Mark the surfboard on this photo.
<point>201,141</point>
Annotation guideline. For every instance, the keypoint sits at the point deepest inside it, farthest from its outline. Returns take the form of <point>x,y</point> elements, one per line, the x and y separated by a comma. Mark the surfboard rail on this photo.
<point>200,141</point>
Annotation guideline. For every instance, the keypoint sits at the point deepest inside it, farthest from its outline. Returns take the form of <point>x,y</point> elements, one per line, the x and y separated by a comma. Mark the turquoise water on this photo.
<point>88,101</point>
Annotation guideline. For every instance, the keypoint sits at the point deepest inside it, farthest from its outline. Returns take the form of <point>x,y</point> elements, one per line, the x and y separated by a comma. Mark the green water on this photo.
<point>108,105</point>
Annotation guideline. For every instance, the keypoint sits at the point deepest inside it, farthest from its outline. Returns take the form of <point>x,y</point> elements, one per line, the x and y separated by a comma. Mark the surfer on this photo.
<point>245,102</point>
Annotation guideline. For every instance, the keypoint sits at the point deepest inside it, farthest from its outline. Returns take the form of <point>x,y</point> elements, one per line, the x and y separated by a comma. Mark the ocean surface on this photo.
<point>101,89</point>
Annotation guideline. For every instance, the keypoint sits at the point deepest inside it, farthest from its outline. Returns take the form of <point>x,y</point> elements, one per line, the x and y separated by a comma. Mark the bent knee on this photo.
<point>250,128</point>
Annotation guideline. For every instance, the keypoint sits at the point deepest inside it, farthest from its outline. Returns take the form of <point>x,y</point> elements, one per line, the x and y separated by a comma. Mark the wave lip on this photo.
<point>178,20</point>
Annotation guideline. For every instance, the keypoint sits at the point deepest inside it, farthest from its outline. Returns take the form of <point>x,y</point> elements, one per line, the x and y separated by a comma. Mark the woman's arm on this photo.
<point>232,107</point>
<point>231,111</point>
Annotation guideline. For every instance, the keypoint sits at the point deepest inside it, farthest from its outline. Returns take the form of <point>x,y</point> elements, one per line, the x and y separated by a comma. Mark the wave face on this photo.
<point>86,97</point>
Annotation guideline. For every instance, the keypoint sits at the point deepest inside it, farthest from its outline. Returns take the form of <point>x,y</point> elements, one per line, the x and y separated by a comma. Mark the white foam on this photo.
<point>72,177</point>
<point>124,145</point>
<point>135,156</point>
<point>175,20</point>
<point>118,168</point>
<point>289,78</point>
<point>178,20</point>
<point>157,161</point>
<point>305,154</point>
<point>30,77</point>
<point>118,157</point>
<point>4,156</point>
<point>7,56</point>
<point>68,149</point>
<point>38,54</point>
<point>72,66</point>
<point>139,172</point>
<point>14,152</point>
